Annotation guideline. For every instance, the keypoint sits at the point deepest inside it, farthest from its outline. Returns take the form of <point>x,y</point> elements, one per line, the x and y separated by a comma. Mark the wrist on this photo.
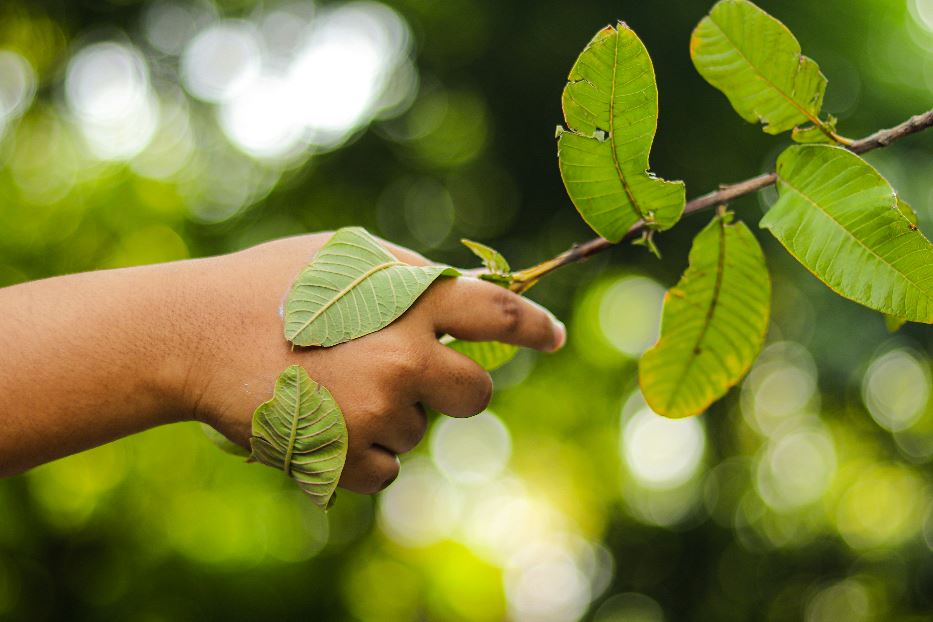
<point>177,310</point>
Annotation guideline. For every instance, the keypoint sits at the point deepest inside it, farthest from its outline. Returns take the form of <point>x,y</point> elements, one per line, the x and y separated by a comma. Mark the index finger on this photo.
<point>476,310</point>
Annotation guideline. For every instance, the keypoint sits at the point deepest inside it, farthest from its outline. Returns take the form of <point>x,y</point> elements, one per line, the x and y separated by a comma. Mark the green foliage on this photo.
<point>907,211</point>
<point>301,431</point>
<point>611,109</point>
<point>756,62</point>
<point>838,216</point>
<point>352,287</point>
<point>222,442</point>
<point>492,259</point>
<point>824,133</point>
<point>489,354</point>
<point>713,325</point>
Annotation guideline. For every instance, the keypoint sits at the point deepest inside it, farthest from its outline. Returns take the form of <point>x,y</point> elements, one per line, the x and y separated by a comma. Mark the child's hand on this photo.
<point>380,381</point>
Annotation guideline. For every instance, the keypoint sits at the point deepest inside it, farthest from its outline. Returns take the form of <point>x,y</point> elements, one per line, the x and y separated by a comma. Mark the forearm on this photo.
<point>88,358</point>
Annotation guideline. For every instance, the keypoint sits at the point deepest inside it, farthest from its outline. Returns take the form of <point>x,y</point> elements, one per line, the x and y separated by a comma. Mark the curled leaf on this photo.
<point>354,286</point>
<point>492,259</point>
<point>611,109</point>
<point>302,432</point>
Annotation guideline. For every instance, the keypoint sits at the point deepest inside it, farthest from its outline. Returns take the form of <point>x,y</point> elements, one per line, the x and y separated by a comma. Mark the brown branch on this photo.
<point>579,252</point>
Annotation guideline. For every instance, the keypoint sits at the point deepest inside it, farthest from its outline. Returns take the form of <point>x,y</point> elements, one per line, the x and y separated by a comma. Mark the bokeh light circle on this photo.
<point>662,453</point>
<point>473,450</point>
<point>221,60</point>
<point>896,389</point>
<point>630,314</point>
<point>107,89</point>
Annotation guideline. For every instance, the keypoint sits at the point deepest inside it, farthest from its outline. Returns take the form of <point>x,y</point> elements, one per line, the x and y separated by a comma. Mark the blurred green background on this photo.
<point>138,131</point>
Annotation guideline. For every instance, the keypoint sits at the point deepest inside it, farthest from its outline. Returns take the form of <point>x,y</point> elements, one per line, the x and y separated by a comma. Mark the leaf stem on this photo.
<point>524,279</point>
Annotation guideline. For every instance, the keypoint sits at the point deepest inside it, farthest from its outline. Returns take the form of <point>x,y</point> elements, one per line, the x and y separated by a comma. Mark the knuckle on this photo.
<point>509,308</point>
<point>412,436</point>
<point>402,361</point>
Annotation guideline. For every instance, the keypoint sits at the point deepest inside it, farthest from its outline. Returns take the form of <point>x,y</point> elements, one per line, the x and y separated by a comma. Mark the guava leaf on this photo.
<point>907,211</point>
<point>301,431</point>
<point>352,287</point>
<point>611,109</point>
<point>839,218</point>
<point>893,323</point>
<point>756,62</point>
<point>815,133</point>
<point>713,324</point>
<point>222,442</point>
<point>489,354</point>
<point>492,259</point>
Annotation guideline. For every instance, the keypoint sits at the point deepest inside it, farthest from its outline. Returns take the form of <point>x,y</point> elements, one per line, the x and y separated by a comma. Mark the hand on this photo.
<point>381,381</point>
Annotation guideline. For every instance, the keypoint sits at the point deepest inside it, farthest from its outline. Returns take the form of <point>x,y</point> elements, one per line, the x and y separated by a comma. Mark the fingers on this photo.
<point>372,462</point>
<point>454,384</point>
<point>369,471</point>
<point>479,311</point>
<point>400,432</point>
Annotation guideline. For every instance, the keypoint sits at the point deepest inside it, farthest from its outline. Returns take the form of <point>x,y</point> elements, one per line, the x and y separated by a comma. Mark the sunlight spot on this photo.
<point>662,453</point>
<point>630,314</point>
<point>221,60</point>
<point>420,507</point>
<point>107,90</point>
<point>896,389</point>
<point>797,468</point>
<point>17,86</point>
<point>471,451</point>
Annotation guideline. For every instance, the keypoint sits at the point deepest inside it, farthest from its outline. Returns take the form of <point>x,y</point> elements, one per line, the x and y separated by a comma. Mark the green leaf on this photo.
<point>222,442</point>
<point>816,133</point>
<point>893,323</point>
<point>907,211</point>
<point>492,259</point>
<point>352,287</point>
<point>489,354</point>
<point>611,110</point>
<point>713,325</point>
<point>838,216</point>
<point>301,431</point>
<point>756,62</point>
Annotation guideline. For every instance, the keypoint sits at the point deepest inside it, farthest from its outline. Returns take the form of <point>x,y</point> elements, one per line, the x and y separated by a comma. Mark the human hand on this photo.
<point>381,381</point>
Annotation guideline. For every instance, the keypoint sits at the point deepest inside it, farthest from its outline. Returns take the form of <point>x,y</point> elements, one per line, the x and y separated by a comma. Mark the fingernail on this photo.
<point>560,335</point>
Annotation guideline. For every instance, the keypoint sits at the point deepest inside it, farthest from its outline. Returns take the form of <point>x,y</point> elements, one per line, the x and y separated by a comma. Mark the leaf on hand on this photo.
<point>222,442</point>
<point>352,287</point>
<point>756,62</point>
<point>611,109</point>
<point>715,325</point>
<point>840,219</point>
<point>302,432</point>
<point>492,259</point>
<point>489,354</point>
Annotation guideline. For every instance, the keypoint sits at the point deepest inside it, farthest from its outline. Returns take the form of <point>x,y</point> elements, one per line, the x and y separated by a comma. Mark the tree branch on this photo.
<point>524,279</point>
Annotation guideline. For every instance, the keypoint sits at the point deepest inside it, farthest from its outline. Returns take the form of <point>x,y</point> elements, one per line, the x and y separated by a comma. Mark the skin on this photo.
<point>89,358</point>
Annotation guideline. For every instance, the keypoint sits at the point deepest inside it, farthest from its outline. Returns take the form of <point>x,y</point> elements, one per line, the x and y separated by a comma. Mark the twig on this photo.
<point>579,252</point>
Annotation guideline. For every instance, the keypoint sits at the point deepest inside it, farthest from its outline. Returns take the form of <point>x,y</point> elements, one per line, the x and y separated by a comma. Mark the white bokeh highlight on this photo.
<point>221,61</point>
<point>107,90</point>
<point>662,453</point>
<point>896,389</point>
<point>630,314</point>
<point>475,450</point>
<point>17,87</point>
